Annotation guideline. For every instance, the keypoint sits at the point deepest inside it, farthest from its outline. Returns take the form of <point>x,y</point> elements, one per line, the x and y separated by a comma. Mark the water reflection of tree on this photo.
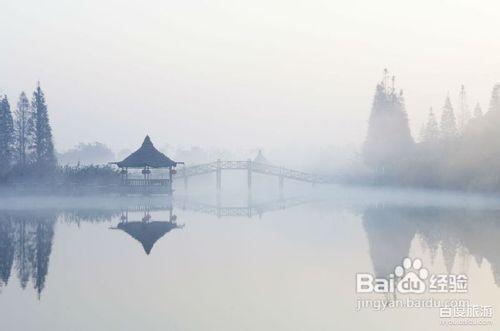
<point>459,232</point>
<point>6,250</point>
<point>25,245</point>
<point>26,238</point>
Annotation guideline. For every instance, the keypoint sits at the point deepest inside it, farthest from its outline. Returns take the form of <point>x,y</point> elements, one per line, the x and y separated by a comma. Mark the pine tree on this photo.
<point>478,113</point>
<point>388,141</point>
<point>42,145</point>
<point>6,136</point>
<point>448,123</point>
<point>495,99</point>
<point>431,129</point>
<point>463,110</point>
<point>23,126</point>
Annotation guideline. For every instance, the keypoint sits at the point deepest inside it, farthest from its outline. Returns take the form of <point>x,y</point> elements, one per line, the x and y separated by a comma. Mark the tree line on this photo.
<point>457,149</point>
<point>28,161</point>
<point>26,143</point>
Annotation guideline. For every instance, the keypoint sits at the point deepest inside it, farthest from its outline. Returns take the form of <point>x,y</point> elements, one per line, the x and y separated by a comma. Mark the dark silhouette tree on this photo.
<point>6,136</point>
<point>448,122</point>
<point>23,127</point>
<point>388,141</point>
<point>43,146</point>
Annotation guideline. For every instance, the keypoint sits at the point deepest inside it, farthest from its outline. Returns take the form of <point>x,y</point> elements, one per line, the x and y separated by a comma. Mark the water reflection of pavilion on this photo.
<point>147,231</point>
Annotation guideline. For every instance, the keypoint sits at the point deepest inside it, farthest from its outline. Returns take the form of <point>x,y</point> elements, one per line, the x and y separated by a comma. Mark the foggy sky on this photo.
<point>241,73</point>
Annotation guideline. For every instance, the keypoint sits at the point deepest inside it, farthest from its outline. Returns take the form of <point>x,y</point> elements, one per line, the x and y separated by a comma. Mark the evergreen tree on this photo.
<point>448,123</point>
<point>431,129</point>
<point>463,110</point>
<point>42,145</point>
<point>388,140</point>
<point>6,136</point>
<point>23,126</point>
<point>478,113</point>
<point>495,99</point>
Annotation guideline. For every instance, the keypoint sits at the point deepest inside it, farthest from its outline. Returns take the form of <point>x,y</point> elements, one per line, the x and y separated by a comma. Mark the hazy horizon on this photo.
<point>224,74</point>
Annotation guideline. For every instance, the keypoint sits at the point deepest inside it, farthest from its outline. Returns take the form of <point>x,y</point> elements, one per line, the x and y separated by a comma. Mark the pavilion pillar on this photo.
<point>124,181</point>
<point>123,173</point>
<point>170,180</point>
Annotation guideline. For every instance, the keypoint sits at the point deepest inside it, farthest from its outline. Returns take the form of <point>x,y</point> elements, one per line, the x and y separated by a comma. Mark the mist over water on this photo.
<point>195,267</point>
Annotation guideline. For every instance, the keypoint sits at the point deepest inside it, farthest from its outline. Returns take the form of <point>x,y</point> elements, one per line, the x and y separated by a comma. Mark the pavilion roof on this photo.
<point>146,155</point>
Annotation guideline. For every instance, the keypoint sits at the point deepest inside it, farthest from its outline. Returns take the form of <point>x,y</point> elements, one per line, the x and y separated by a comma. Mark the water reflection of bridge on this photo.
<point>219,210</point>
<point>249,210</point>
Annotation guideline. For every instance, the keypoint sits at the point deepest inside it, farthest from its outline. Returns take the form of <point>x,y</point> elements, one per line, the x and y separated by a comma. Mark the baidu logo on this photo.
<point>411,278</point>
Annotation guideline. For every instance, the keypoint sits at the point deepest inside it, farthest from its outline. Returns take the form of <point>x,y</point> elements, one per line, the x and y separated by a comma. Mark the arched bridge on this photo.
<point>251,167</point>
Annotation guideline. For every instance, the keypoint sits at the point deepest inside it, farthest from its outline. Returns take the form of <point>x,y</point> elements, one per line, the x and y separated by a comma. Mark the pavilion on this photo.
<point>146,158</point>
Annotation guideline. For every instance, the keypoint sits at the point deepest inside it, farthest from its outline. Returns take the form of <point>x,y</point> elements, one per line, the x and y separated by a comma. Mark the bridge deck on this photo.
<point>266,169</point>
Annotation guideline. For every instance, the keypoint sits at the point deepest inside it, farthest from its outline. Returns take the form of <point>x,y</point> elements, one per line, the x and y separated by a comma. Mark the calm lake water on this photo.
<point>285,264</point>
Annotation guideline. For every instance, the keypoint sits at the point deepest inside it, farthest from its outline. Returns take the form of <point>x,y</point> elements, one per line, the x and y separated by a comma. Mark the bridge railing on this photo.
<point>262,168</point>
<point>284,172</point>
<point>195,170</point>
<point>233,165</point>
